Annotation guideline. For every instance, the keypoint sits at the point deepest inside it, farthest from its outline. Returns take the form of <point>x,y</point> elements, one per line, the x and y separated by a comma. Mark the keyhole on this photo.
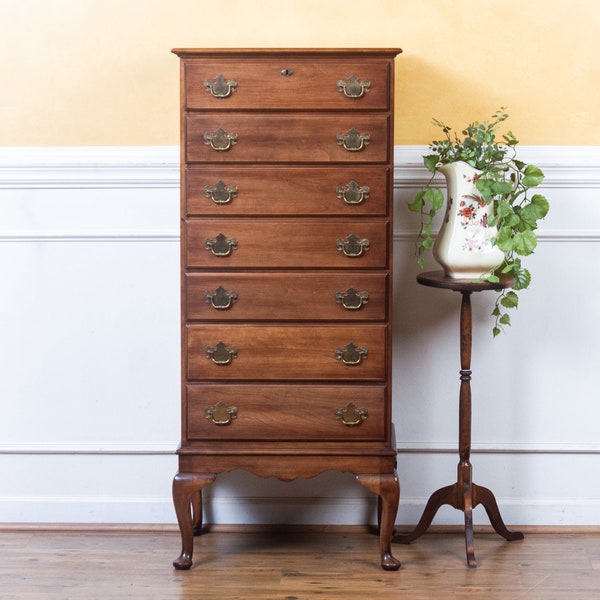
<point>287,72</point>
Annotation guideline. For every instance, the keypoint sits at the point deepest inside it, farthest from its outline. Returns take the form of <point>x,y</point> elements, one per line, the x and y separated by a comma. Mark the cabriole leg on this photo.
<point>388,490</point>
<point>187,499</point>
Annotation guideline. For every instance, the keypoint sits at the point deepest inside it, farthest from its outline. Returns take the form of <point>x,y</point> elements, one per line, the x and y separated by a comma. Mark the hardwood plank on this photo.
<point>332,563</point>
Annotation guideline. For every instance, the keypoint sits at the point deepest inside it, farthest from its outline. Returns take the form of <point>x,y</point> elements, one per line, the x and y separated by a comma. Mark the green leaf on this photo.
<point>542,205</point>
<point>533,176</point>
<point>435,197</point>
<point>417,204</point>
<point>503,209</point>
<point>501,187</point>
<point>496,331</point>
<point>427,243</point>
<point>510,300</point>
<point>431,161</point>
<point>504,319</point>
<point>485,187</point>
<point>524,243</point>
<point>529,216</point>
<point>522,279</point>
<point>504,241</point>
<point>511,220</point>
<point>510,138</point>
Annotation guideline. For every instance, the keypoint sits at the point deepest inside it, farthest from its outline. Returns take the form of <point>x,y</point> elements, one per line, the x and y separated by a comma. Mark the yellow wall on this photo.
<point>100,72</point>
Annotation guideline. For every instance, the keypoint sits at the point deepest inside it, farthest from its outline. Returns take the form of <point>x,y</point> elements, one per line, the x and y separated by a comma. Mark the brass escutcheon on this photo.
<point>350,415</point>
<point>221,246</point>
<point>220,193</point>
<point>221,414</point>
<point>352,193</point>
<point>352,299</point>
<point>353,87</point>
<point>351,355</point>
<point>221,354</point>
<point>220,140</point>
<point>353,246</point>
<point>220,299</point>
<point>353,141</point>
<point>220,87</point>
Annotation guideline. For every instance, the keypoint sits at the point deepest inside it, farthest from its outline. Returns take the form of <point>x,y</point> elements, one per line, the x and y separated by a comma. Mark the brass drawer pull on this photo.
<point>351,355</point>
<point>221,246</point>
<point>220,193</point>
<point>220,299</point>
<point>353,246</point>
<point>350,415</point>
<point>353,87</point>
<point>351,299</point>
<point>220,87</point>
<point>352,193</point>
<point>221,354</point>
<point>353,141</point>
<point>221,414</point>
<point>220,140</point>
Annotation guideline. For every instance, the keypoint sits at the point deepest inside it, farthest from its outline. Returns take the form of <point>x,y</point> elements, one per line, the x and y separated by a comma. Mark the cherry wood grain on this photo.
<point>287,137</point>
<point>286,83</point>
<point>287,243</point>
<point>284,190</point>
<point>289,352</point>
<point>291,295</point>
<point>286,412</point>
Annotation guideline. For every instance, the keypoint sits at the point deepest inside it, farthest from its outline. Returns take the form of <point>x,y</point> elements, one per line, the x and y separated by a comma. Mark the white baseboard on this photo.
<point>289,511</point>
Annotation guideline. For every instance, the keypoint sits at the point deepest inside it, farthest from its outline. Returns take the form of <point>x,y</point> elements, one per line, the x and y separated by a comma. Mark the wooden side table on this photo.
<point>464,494</point>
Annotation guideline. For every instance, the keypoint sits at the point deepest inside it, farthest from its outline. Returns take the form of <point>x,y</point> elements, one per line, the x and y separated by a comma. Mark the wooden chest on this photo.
<point>286,257</point>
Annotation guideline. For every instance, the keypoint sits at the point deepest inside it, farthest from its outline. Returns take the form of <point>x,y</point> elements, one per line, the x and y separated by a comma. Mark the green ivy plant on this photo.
<point>506,182</point>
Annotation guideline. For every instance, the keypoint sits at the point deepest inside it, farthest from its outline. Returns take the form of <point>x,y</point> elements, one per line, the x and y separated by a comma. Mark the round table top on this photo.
<point>439,279</point>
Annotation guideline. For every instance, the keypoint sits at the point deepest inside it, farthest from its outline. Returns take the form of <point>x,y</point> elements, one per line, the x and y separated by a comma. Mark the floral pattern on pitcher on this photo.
<point>470,215</point>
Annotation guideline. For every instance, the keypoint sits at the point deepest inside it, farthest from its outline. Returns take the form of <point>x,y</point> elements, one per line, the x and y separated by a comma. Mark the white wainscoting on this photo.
<point>89,357</point>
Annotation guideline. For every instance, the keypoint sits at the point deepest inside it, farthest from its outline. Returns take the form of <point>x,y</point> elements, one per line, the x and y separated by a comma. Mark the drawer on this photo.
<point>288,295</point>
<point>287,137</point>
<point>280,243</point>
<point>328,191</point>
<point>286,352</point>
<point>286,412</point>
<point>286,83</point>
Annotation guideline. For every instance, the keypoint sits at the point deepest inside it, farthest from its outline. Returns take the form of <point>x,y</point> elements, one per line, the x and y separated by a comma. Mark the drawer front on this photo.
<point>243,190</point>
<point>256,352</point>
<point>287,137</point>
<point>286,296</point>
<point>242,243</point>
<point>286,413</point>
<point>286,83</point>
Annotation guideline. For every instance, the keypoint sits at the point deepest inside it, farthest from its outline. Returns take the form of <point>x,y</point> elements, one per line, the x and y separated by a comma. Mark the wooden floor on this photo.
<point>335,564</point>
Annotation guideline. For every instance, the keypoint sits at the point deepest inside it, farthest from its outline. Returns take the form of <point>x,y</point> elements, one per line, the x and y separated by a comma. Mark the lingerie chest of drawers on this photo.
<point>286,254</point>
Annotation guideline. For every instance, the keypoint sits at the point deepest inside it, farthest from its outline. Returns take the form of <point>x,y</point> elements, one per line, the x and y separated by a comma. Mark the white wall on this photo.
<point>89,355</point>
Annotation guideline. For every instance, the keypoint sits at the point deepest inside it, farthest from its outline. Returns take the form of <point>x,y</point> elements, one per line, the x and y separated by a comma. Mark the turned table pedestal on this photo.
<point>463,495</point>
